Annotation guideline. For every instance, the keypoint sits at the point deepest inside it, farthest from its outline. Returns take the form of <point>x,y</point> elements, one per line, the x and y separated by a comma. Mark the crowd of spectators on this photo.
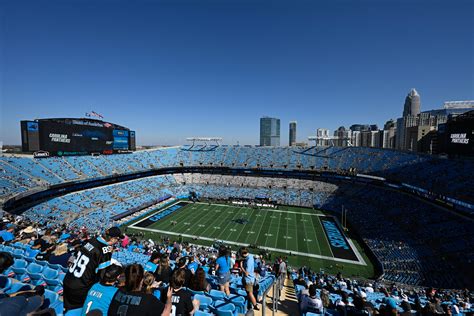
<point>320,293</point>
<point>172,276</point>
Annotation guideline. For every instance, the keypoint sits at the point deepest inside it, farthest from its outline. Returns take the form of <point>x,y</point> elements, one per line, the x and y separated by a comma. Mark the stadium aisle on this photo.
<point>288,301</point>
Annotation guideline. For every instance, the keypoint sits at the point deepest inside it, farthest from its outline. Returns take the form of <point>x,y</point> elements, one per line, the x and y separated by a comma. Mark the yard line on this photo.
<point>318,224</point>
<point>210,224</point>
<point>243,228</point>
<point>261,229</point>
<point>278,229</point>
<point>271,226</point>
<point>255,240</point>
<point>310,233</point>
<point>229,222</point>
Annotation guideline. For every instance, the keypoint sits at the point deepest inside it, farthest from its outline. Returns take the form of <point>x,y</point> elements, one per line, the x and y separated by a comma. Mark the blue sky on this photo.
<point>174,69</point>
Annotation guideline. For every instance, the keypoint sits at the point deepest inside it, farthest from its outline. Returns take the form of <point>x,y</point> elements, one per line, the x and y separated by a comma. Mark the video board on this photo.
<point>120,139</point>
<point>64,139</point>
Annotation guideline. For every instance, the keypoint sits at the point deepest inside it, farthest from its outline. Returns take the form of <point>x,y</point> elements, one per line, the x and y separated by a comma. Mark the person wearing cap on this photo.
<point>91,257</point>
<point>101,294</point>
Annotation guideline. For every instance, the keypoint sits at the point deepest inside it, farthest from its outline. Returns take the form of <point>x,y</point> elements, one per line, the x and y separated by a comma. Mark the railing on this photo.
<point>276,287</point>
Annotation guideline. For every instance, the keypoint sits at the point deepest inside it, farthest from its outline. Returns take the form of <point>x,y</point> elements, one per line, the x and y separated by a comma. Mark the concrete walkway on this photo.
<point>288,302</point>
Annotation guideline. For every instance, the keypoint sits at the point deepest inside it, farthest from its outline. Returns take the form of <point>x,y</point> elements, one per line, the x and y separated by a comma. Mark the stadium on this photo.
<point>236,158</point>
<point>375,215</point>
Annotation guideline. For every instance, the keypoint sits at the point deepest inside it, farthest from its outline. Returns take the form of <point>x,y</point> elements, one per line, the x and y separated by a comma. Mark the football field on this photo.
<point>305,233</point>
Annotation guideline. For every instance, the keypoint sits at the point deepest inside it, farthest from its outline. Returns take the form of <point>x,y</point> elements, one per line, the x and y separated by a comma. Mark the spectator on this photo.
<point>182,266</point>
<point>199,282</point>
<point>311,303</point>
<point>223,269</point>
<point>192,265</point>
<point>131,300</point>
<point>150,286</point>
<point>182,301</point>
<point>248,277</point>
<point>152,264</point>
<point>163,273</point>
<point>100,295</point>
<point>95,254</point>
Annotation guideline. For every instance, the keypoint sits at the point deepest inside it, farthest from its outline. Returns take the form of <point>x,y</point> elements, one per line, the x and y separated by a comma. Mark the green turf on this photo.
<point>287,229</point>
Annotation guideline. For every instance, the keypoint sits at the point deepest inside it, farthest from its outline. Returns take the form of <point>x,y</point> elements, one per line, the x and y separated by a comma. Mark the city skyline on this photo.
<point>171,71</point>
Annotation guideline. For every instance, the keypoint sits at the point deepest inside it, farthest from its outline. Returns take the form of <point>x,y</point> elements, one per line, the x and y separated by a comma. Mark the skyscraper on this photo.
<point>411,111</point>
<point>412,104</point>
<point>292,137</point>
<point>269,131</point>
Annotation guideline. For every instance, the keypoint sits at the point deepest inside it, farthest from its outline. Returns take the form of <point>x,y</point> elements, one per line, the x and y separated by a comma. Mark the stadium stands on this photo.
<point>416,242</point>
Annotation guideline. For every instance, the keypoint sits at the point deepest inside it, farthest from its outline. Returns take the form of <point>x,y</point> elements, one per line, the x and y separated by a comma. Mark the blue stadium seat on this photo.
<point>17,287</point>
<point>74,312</point>
<point>5,283</point>
<point>18,253</point>
<point>34,272</point>
<point>216,295</point>
<point>19,269</point>
<point>204,301</point>
<point>222,308</point>
<point>51,277</point>
<point>201,313</point>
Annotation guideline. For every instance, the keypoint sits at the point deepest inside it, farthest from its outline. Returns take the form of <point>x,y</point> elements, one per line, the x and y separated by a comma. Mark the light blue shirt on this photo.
<point>249,265</point>
<point>99,297</point>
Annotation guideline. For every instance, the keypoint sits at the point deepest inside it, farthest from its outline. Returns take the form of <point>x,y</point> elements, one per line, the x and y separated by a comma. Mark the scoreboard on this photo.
<point>75,137</point>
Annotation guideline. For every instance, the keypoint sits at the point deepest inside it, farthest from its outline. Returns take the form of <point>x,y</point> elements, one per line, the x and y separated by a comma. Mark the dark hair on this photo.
<point>312,290</point>
<point>405,306</point>
<point>110,274</point>
<point>358,302</point>
<point>223,251</point>
<point>178,278</point>
<point>6,261</point>
<point>198,281</point>
<point>155,255</point>
<point>163,264</point>
<point>182,261</point>
<point>133,277</point>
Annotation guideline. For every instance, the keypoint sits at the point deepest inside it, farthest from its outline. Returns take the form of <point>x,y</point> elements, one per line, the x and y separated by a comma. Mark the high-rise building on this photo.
<point>342,137</point>
<point>292,136</point>
<point>322,135</point>
<point>412,104</point>
<point>388,134</point>
<point>269,131</point>
<point>411,111</point>
<point>359,127</point>
<point>356,138</point>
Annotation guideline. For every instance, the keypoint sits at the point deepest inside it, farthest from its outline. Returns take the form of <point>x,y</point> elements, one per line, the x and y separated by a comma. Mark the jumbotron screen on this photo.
<point>71,138</point>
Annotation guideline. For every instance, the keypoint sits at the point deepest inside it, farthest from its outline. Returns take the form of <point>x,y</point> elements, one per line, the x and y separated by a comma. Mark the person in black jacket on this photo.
<point>94,255</point>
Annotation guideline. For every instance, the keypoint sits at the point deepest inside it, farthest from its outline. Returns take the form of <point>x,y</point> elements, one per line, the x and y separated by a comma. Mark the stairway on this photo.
<point>288,302</point>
